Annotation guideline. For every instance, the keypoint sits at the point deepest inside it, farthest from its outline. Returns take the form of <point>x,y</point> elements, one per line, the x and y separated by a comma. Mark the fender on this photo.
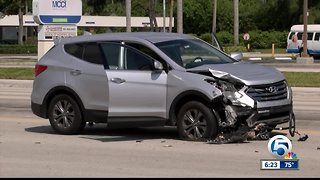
<point>184,97</point>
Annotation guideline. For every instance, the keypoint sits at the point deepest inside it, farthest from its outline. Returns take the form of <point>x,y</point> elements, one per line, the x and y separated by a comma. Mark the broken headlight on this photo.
<point>230,91</point>
<point>235,94</point>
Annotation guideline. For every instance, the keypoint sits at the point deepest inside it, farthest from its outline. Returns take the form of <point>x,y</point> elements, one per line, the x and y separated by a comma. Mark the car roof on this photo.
<point>153,37</point>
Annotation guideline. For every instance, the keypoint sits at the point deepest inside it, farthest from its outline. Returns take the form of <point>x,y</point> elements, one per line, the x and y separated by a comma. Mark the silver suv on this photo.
<point>156,79</point>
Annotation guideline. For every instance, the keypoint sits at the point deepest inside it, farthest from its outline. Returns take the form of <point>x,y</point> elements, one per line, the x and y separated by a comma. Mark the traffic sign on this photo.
<point>246,37</point>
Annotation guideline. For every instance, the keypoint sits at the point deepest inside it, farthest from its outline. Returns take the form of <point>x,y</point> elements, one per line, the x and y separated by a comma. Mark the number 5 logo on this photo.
<point>279,146</point>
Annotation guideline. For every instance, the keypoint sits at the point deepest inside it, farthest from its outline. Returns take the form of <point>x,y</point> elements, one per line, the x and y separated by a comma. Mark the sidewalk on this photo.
<point>261,56</point>
<point>18,56</point>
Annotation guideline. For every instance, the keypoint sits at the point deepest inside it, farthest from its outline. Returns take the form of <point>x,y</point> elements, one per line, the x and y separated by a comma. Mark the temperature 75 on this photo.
<point>289,164</point>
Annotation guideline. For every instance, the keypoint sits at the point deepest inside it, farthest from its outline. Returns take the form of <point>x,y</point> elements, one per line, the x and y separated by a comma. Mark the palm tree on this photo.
<point>152,15</point>
<point>214,16</point>
<point>128,15</point>
<point>236,22</point>
<point>180,16</point>
<point>171,15</point>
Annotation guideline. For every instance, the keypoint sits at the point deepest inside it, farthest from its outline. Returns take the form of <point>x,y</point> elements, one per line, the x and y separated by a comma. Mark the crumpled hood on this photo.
<point>247,73</point>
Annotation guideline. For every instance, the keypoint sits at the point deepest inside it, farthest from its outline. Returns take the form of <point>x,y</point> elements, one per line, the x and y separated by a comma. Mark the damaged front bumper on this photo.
<point>238,109</point>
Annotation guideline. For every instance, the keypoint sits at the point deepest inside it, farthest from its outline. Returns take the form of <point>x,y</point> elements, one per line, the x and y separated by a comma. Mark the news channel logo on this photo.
<point>279,146</point>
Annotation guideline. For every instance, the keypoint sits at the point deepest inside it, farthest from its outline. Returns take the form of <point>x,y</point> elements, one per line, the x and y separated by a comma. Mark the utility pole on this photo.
<point>236,22</point>
<point>20,29</point>
<point>180,16</point>
<point>128,15</point>
<point>305,58</point>
<point>305,28</point>
<point>214,16</point>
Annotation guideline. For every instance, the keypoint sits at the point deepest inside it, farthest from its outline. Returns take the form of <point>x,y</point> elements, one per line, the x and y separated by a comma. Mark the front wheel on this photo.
<point>65,115</point>
<point>196,122</point>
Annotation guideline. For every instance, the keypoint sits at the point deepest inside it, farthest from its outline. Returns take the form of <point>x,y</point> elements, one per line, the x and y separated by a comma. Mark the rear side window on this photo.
<point>89,52</point>
<point>112,53</point>
<point>75,50</point>
<point>122,57</point>
<point>92,53</point>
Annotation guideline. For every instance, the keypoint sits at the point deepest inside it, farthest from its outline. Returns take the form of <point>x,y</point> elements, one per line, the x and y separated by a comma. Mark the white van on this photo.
<point>294,39</point>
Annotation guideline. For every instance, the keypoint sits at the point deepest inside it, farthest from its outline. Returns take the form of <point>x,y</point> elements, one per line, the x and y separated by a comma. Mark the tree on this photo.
<point>105,7</point>
<point>214,16</point>
<point>12,8</point>
<point>236,22</point>
<point>128,15</point>
<point>171,15</point>
<point>180,16</point>
<point>152,15</point>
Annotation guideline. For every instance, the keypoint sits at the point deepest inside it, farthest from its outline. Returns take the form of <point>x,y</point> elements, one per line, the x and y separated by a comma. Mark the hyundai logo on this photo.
<point>272,89</point>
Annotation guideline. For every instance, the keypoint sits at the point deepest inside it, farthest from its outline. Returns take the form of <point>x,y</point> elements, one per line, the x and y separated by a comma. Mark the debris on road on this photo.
<point>238,136</point>
<point>243,134</point>
<point>168,146</point>
<point>302,138</point>
<point>139,141</point>
<point>318,148</point>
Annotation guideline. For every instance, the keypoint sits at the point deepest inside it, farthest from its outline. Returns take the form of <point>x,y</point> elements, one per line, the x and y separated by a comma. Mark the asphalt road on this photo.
<point>29,147</point>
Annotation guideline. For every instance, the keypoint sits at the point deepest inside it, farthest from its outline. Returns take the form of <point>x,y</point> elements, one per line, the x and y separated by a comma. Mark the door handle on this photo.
<point>75,72</point>
<point>118,80</point>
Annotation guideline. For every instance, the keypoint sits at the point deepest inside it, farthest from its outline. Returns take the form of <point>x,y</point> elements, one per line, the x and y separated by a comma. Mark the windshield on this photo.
<point>190,53</point>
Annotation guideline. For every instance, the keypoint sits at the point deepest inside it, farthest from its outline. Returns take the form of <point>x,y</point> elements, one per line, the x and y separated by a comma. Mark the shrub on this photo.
<point>264,39</point>
<point>18,49</point>
<point>206,37</point>
<point>235,49</point>
<point>225,38</point>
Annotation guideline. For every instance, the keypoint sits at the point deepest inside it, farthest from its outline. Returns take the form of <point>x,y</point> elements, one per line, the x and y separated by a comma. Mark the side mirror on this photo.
<point>157,65</point>
<point>236,55</point>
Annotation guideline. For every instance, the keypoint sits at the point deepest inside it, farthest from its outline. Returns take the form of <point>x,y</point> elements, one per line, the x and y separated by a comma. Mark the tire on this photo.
<point>65,115</point>
<point>196,122</point>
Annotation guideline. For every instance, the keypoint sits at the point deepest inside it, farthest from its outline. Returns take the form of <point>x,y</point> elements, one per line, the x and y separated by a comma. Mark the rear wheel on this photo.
<point>196,122</point>
<point>65,115</point>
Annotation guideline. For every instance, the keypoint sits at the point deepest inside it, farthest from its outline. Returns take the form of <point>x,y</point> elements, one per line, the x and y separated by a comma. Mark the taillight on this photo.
<point>39,69</point>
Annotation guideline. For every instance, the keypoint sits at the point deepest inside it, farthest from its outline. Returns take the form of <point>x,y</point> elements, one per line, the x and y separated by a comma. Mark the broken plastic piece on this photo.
<point>239,136</point>
<point>303,138</point>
